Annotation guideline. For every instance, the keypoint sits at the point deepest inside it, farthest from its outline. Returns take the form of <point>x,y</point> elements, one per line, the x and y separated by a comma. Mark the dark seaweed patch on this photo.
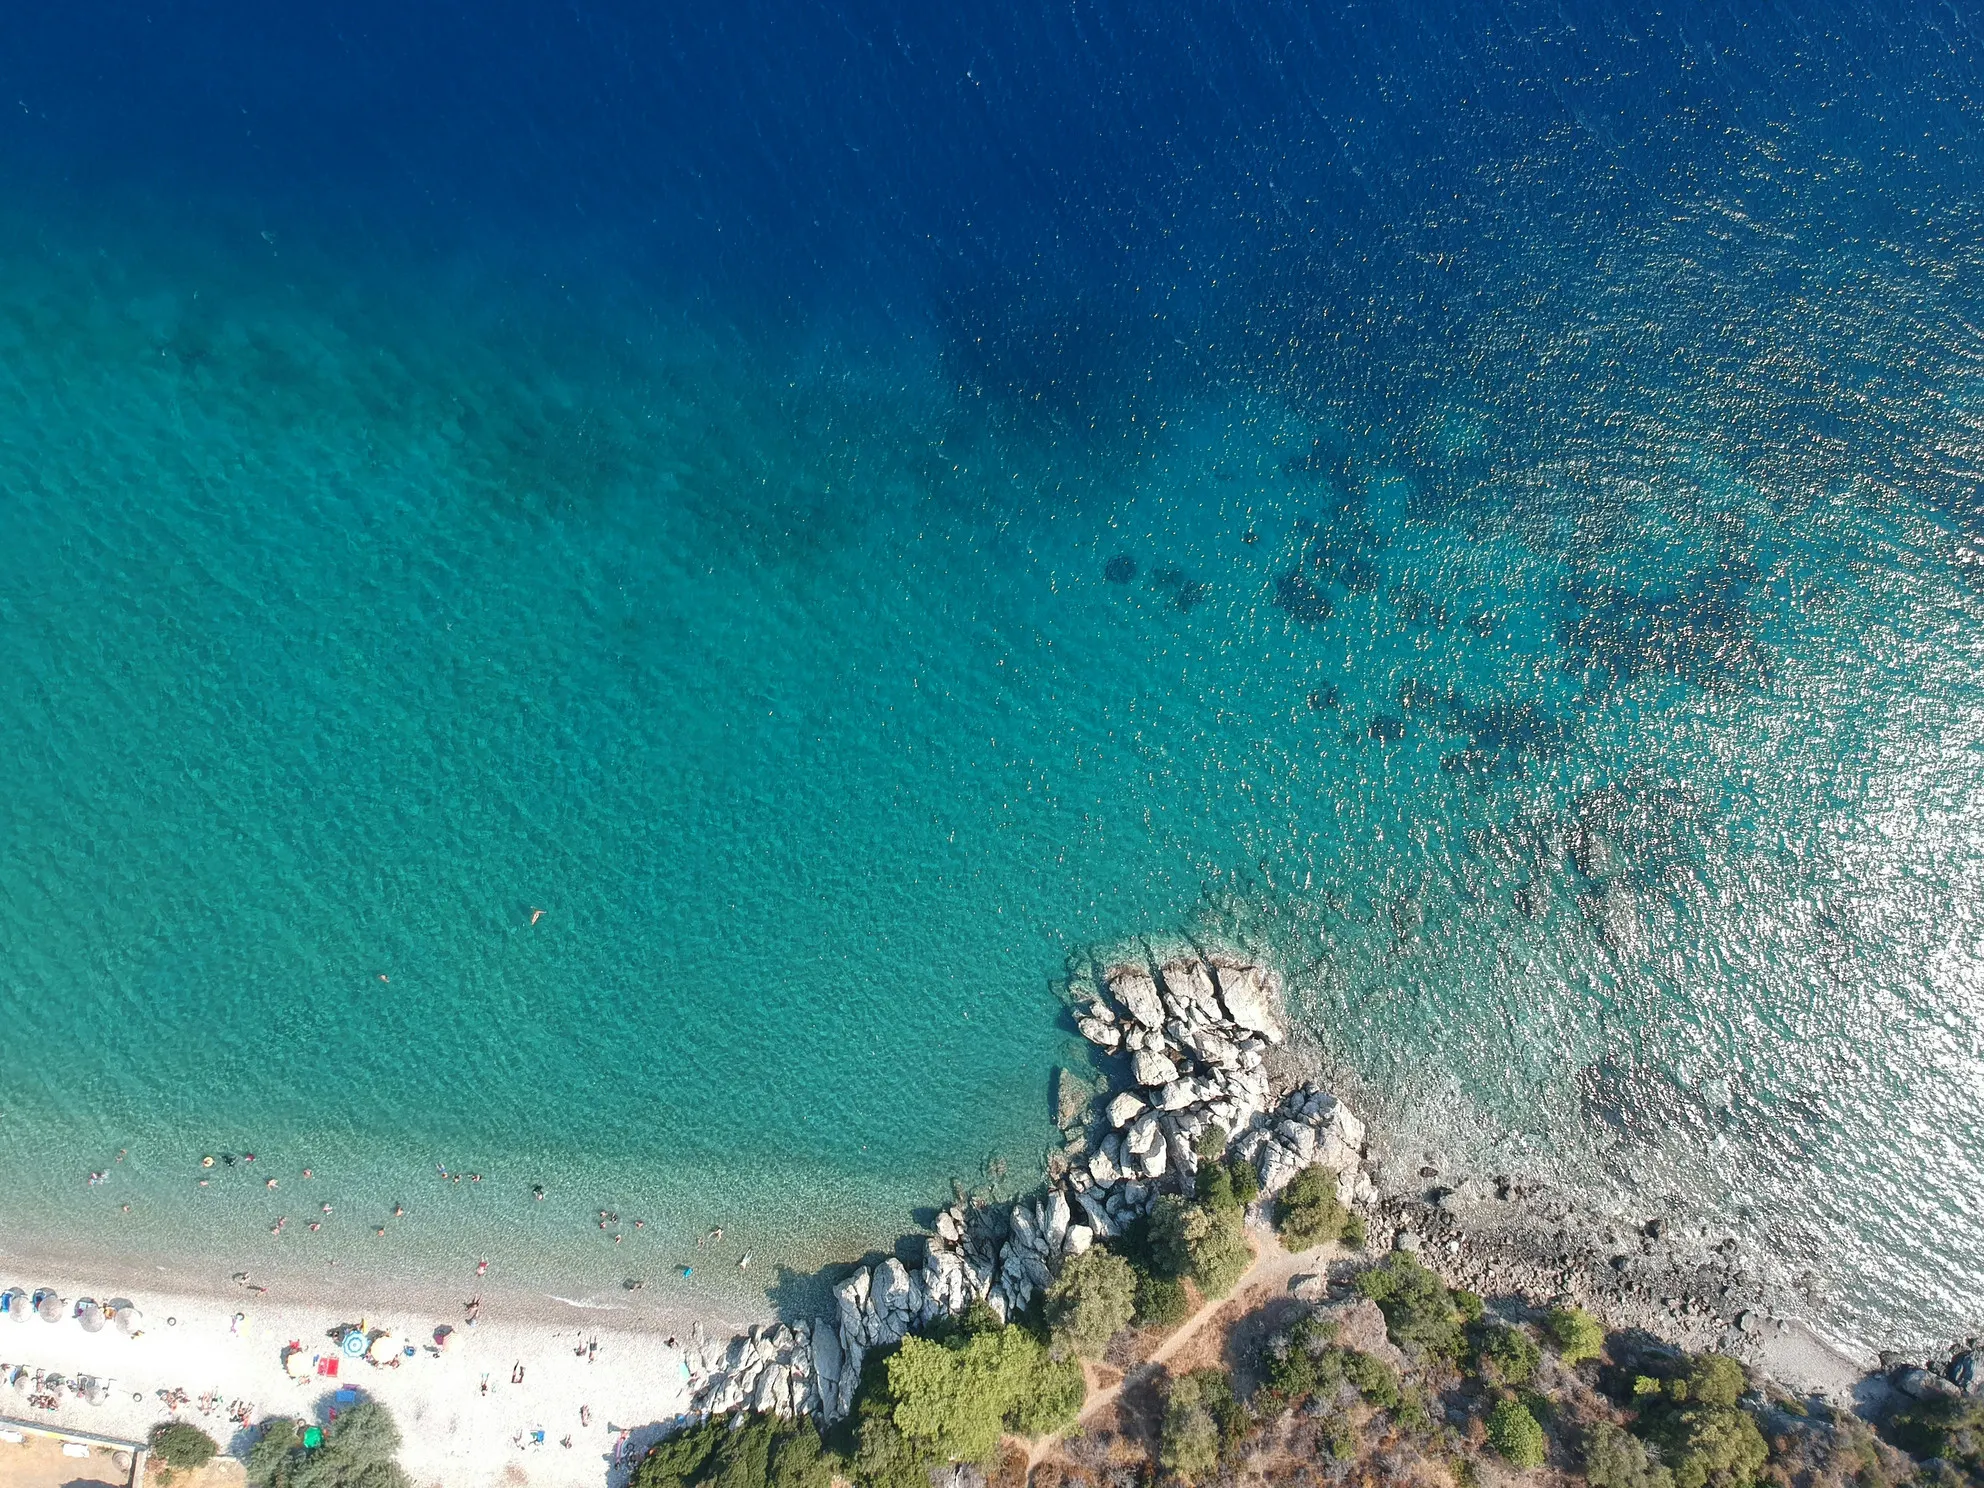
<point>1415,606</point>
<point>1185,590</point>
<point>1386,728</point>
<point>1120,569</point>
<point>1701,631</point>
<point>1502,737</point>
<point>1325,697</point>
<point>1302,599</point>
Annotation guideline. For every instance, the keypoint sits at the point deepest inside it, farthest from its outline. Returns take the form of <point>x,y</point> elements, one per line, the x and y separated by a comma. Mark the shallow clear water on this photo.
<point>1545,463</point>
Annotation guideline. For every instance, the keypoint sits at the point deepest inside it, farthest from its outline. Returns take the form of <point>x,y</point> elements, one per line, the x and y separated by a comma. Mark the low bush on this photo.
<point>1209,1245</point>
<point>1420,1315</point>
<point>1089,1303</point>
<point>1707,1439</point>
<point>1577,1335</point>
<point>952,1400</point>
<point>1308,1213</point>
<point>1299,1364</point>
<point>1160,1301</point>
<point>182,1447</point>
<point>1503,1355</point>
<point>1617,1459</point>
<point>1942,1427</point>
<point>1515,1433</point>
<point>1338,1437</point>
<point>357,1452</point>
<point>1375,1380</point>
<point>1188,1440</point>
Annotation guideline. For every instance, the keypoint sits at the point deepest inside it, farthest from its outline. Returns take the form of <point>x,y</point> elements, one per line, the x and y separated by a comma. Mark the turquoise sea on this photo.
<point>1544,612</point>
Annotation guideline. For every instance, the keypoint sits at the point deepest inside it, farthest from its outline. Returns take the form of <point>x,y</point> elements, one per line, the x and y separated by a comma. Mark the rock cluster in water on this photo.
<point>1195,1034</point>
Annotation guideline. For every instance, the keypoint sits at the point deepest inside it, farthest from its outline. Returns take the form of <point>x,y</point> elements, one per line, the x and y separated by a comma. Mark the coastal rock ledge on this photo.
<point>1192,1036</point>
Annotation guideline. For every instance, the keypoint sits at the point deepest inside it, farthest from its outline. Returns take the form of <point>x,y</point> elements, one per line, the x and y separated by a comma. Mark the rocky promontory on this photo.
<point>1195,1052</point>
<point>1188,1044</point>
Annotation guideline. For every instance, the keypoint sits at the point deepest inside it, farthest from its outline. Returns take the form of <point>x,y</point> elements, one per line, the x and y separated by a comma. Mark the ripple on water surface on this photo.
<point>680,778</point>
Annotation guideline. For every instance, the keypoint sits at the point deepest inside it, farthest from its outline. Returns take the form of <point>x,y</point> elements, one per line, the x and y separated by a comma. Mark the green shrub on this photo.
<point>1208,1245</point>
<point>1412,1412</point>
<point>1714,1444</point>
<point>268,1458</point>
<point>1246,1182</point>
<point>1693,1417</point>
<point>1504,1355</point>
<point>952,1400</point>
<point>357,1452</point>
<point>1211,1146</point>
<point>1338,1437</point>
<point>1950,1429</point>
<point>1160,1301</point>
<point>1375,1380</point>
<point>1307,1213</point>
<point>1420,1316</point>
<point>1515,1433</point>
<point>1353,1230</point>
<point>1089,1303</point>
<point>1576,1333</point>
<point>1215,1186</point>
<point>182,1446</point>
<point>1300,1363</point>
<point>1468,1306</point>
<point>1188,1441</point>
<point>1714,1379</point>
<point>1618,1459</point>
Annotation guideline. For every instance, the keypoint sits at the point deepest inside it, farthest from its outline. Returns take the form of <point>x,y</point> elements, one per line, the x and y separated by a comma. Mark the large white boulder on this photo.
<point>1124,1109</point>
<point>1136,992</point>
<point>1252,995</point>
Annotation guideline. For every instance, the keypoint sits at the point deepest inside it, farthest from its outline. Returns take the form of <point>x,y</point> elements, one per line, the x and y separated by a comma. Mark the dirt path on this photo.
<point>1271,1269</point>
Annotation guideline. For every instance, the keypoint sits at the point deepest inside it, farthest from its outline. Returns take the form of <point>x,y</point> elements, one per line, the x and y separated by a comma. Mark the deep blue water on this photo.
<point>667,467</point>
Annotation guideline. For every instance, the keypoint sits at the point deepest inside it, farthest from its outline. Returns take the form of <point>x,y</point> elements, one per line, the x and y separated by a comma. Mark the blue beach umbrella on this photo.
<point>15,1304</point>
<point>354,1344</point>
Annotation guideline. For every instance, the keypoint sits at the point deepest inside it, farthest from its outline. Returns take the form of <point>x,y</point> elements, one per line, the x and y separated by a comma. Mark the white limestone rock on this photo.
<point>1152,1070</point>
<point>1252,996</point>
<point>1102,1035</point>
<point>1124,1109</point>
<point>1054,1220</point>
<point>1136,992</point>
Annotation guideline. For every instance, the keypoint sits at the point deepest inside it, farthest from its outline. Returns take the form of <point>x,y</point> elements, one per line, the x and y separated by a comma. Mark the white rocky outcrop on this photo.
<point>1196,1033</point>
<point>1310,1126</point>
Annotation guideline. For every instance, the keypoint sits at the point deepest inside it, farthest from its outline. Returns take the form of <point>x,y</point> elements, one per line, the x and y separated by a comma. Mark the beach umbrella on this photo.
<point>90,1314</point>
<point>298,1365</point>
<point>444,1338</point>
<point>49,1306</point>
<point>98,1391</point>
<point>130,1321</point>
<point>15,1301</point>
<point>354,1344</point>
<point>384,1347</point>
